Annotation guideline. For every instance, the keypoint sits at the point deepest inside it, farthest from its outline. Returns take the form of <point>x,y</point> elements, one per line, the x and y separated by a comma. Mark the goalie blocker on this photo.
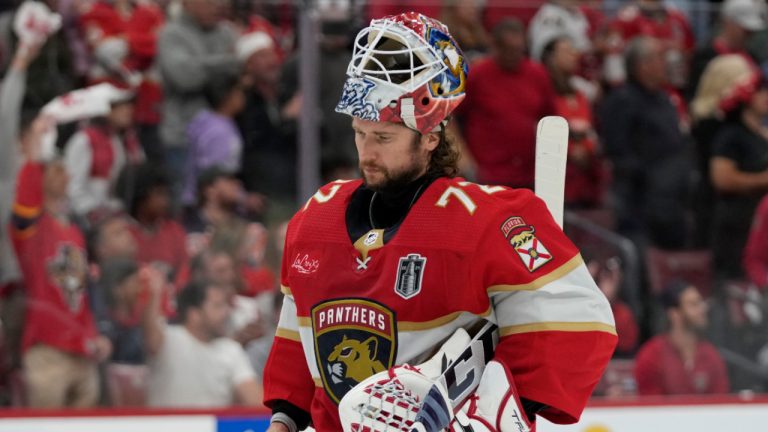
<point>424,398</point>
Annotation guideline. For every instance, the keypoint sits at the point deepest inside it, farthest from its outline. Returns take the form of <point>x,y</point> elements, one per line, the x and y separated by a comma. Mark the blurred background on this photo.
<point>149,145</point>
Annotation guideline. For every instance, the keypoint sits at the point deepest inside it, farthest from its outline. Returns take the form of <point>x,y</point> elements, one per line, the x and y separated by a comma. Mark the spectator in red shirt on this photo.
<point>756,252</point>
<point>122,37</point>
<point>507,94</point>
<point>680,361</point>
<point>584,181</point>
<point>61,347</point>
<point>161,240</point>
<point>98,152</point>
<point>739,20</point>
<point>655,19</point>
<point>608,277</point>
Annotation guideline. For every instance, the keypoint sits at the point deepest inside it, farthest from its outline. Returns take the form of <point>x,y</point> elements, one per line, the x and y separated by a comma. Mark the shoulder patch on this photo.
<point>522,238</point>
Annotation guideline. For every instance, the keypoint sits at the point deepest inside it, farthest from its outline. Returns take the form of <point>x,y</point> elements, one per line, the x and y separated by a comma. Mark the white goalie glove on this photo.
<point>417,398</point>
<point>391,400</point>
<point>495,406</point>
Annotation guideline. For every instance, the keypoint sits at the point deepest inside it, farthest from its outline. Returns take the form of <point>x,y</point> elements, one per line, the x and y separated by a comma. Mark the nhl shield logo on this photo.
<point>410,271</point>
<point>354,339</point>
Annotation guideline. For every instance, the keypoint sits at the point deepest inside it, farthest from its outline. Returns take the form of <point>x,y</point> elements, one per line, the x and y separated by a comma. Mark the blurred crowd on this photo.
<point>148,166</point>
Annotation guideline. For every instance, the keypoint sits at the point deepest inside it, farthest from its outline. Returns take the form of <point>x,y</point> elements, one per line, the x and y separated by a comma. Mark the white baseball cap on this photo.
<point>250,43</point>
<point>749,14</point>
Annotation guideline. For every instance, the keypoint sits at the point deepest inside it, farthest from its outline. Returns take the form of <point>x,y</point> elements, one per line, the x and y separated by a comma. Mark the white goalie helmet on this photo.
<point>407,69</point>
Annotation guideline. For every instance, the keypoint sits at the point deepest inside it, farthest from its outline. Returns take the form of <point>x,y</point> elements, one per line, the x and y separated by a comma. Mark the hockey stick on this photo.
<point>551,155</point>
<point>461,377</point>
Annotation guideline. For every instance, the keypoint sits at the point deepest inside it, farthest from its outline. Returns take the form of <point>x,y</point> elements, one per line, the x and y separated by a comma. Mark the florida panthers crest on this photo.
<point>354,339</point>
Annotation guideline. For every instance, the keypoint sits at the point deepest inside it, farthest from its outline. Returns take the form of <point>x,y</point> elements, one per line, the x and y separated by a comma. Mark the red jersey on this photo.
<point>670,25</point>
<point>756,251</point>
<point>164,247</point>
<point>659,370</point>
<point>140,30</point>
<point>465,252</point>
<point>499,114</point>
<point>626,327</point>
<point>584,176</point>
<point>53,263</point>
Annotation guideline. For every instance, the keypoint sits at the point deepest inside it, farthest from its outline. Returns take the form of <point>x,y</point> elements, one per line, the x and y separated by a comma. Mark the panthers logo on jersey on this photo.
<point>354,339</point>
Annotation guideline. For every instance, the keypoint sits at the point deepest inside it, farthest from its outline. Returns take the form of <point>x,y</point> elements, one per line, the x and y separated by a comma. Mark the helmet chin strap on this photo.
<point>408,112</point>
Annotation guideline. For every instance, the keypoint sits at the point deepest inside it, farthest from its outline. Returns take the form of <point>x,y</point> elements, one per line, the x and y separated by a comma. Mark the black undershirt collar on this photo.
<point>388,211</point>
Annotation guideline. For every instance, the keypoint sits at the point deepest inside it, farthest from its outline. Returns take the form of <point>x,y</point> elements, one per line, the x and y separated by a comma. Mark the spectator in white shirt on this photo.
<point>193,364</point>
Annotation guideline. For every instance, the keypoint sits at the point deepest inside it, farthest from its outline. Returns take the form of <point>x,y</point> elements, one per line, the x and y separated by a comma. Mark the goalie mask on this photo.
<point>406,69</point>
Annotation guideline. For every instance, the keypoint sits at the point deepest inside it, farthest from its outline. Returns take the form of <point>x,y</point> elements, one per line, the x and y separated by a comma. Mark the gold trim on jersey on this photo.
<point>437,322</point>
<point>318,382</point>
<point>376,239</point>
<point>285,290</point>
<point>552,276</point>
<point>557,326</point>
<point>412,325</point>
<point>288,334</point>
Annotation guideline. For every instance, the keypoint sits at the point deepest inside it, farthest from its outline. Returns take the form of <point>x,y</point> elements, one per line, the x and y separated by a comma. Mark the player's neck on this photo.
<point>390,207</point>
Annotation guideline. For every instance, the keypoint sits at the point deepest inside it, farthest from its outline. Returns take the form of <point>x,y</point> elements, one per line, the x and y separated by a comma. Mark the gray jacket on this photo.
<point>189,56</point>
<point>11,95</point>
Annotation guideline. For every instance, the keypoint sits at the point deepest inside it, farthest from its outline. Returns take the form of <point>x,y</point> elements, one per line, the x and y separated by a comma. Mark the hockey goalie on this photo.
<point>415,300</point>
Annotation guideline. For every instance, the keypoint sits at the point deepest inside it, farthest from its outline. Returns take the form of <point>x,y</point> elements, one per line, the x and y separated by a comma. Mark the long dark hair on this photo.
<point>444,160</point>
<point>560,81</point>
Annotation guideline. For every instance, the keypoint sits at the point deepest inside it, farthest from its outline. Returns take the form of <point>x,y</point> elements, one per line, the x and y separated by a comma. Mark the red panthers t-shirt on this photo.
<point>53,262</point>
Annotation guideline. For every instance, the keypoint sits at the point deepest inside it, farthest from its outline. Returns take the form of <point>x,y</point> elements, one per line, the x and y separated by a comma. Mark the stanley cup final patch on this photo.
<point>523,239</point>
<point>410,273</point>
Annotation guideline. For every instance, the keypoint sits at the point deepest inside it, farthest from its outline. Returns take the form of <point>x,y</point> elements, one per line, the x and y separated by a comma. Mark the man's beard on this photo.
<point>393,182</point>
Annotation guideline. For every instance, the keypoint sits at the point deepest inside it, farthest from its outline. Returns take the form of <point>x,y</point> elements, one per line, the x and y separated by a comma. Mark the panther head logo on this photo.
<point>354,360</point>
<point>68,271</point>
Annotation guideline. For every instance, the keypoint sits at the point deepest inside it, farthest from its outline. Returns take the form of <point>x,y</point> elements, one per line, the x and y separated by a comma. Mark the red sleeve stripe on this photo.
<point>557,326</point>
<point>554,275</point>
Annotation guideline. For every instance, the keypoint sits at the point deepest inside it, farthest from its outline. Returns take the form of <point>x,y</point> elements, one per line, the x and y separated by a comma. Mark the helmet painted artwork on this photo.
<point>407,69</point>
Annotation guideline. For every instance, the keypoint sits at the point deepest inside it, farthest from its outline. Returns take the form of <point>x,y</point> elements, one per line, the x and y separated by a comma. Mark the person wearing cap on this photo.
<point>739,20</point>
<point>269,150</point>
<point>378,272</point>
<point>680,361</point>
<point>98,152</point>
